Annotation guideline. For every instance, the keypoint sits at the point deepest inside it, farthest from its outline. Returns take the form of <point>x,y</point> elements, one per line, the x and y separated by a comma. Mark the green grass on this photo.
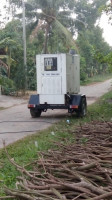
<point>97,78</point>
<point>25,151</point>
<point>2,108</point>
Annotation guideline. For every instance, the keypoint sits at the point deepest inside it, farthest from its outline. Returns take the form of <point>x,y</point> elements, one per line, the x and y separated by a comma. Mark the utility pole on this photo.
<point>24,43</point>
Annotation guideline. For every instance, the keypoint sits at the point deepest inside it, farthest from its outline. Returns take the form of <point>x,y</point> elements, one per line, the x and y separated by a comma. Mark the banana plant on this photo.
<point>3,65</point>
<point>6,46</point>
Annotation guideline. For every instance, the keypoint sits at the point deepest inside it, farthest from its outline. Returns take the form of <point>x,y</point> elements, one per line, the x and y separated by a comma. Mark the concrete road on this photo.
<point>16,122</point>
<point>96,90</point>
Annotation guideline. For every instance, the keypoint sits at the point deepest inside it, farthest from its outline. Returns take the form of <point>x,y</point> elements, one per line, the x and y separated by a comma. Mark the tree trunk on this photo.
<point>46,38</point>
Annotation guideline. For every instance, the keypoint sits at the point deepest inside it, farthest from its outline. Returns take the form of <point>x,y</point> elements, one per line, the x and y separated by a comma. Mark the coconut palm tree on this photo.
<point>50,11</point>
<point>48,18</point>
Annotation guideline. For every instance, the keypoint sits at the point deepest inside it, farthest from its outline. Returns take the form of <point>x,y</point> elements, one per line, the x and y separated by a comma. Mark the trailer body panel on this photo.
<point>57,75</point>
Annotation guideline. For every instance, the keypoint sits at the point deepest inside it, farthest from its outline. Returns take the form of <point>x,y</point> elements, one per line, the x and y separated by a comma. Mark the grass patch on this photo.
<point>97,78</point>
<point>25,150</point>
<point>2,108</point>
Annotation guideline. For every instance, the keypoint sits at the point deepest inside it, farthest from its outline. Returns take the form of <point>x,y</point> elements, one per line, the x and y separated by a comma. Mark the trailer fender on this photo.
<point>75,101</point>
<point>33,101</point>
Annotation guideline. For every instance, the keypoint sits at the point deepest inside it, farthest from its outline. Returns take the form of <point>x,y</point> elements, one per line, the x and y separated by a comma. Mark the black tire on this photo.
<point>35,113</point>
<point>83,108</point>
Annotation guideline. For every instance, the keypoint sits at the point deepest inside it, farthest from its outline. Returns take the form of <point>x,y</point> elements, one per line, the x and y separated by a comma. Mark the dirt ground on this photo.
<point>16,122</point>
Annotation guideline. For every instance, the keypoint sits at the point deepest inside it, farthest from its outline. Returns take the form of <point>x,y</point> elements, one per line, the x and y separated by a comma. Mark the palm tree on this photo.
<point>54,14</point>
<point>48,18</point>
<point>50,11</point>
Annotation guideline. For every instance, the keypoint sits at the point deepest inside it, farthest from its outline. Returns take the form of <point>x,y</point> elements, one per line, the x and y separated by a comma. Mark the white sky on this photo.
<point>107,28</point>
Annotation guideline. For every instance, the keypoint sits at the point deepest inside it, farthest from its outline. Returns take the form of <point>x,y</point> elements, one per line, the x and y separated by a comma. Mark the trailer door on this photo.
<point>49,78</point>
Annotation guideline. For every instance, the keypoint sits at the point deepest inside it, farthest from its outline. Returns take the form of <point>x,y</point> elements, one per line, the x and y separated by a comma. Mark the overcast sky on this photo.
<point>103,23</point>
<point>107,29</point>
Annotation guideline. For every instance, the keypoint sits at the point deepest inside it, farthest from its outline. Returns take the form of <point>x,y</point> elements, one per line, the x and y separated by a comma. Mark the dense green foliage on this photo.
<point>51,31</point>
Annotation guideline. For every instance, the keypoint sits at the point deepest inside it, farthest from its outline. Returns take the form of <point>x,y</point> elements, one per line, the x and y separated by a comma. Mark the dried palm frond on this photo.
<point>62,30</point>
<point>35,31</point>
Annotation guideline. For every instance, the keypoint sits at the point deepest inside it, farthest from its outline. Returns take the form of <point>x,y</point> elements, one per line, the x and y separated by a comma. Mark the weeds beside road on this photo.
<point>96,79</point>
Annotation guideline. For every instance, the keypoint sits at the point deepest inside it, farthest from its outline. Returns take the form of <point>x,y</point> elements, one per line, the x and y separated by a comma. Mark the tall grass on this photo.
<point>96,78</point>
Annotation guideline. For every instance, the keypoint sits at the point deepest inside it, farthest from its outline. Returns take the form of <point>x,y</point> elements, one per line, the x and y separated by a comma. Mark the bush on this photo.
<point>83,74</point>
<point>8,86</point>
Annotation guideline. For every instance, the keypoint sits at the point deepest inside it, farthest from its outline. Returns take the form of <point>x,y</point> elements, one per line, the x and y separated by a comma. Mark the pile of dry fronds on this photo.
<point>81,170</point>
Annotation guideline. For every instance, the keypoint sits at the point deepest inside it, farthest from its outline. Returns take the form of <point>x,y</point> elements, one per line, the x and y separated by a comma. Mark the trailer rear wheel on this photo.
<point>35,112</point>
<point>83,108</point>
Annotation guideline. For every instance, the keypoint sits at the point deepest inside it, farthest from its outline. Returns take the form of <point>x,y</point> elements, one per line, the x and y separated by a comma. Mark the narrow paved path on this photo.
<point>94,91</point>
<point>16,122</point>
